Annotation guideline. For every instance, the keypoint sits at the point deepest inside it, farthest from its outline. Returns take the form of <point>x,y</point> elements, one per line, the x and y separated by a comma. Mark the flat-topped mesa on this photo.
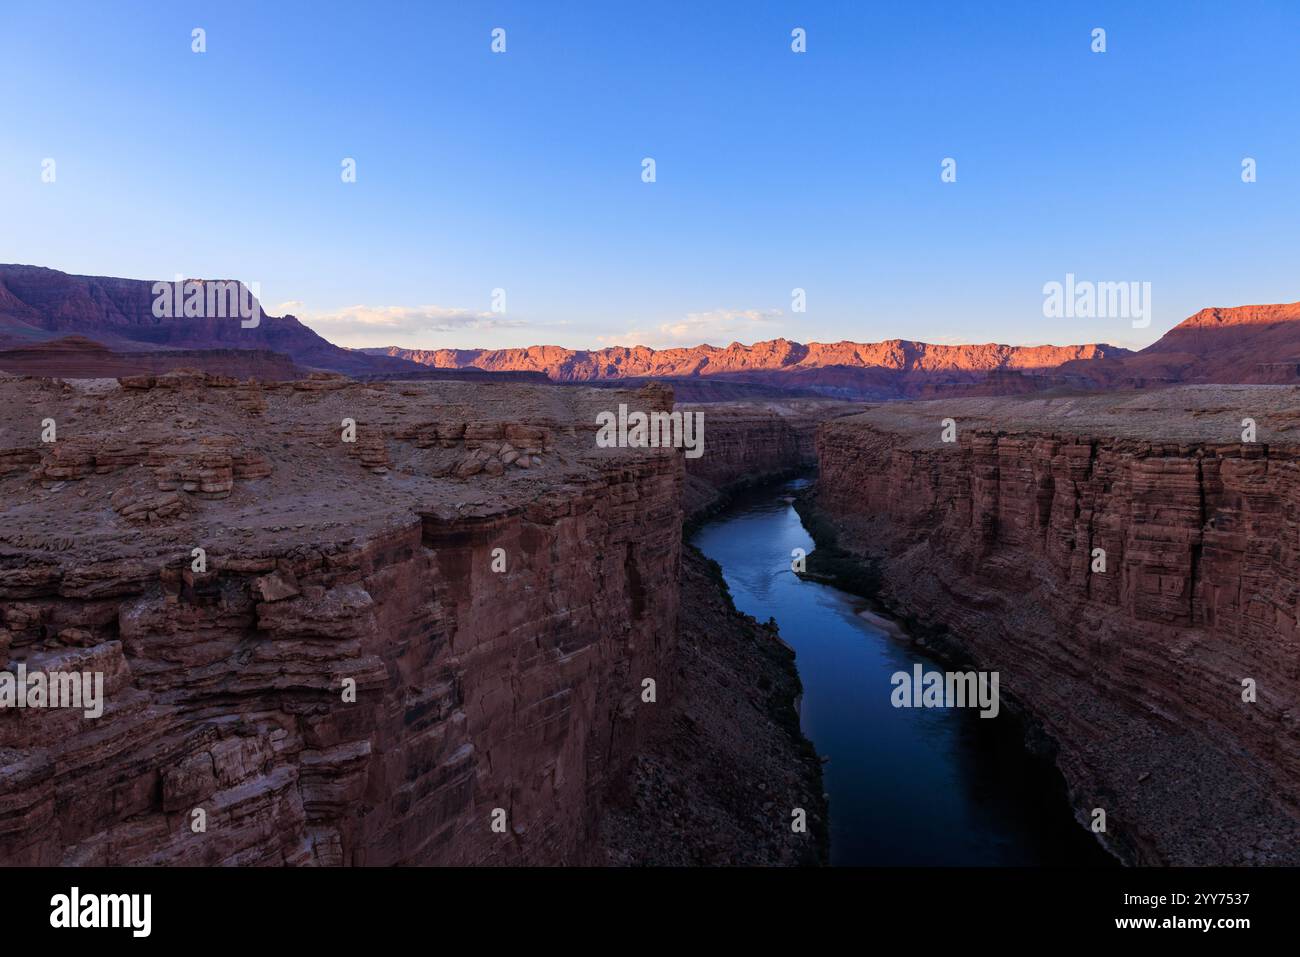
<point>394,627</point>
<point>1130,566</point>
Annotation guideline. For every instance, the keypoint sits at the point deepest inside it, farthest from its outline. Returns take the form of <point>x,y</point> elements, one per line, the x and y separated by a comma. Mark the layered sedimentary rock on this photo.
<point>419,610</point>
<point>891,369</point>
<point>900,355</point>
<point>79,357</point>
<point>746,442</point>
<point>1131,567</point>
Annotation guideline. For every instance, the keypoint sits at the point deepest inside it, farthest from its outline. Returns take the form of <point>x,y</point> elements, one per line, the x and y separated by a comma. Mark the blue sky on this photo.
<point>775,170</point>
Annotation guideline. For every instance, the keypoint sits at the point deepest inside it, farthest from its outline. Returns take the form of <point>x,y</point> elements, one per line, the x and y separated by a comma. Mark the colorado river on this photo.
<point>907,786</point>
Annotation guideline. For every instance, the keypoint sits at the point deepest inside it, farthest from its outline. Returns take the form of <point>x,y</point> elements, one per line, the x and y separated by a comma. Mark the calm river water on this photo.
<point>907,786</point>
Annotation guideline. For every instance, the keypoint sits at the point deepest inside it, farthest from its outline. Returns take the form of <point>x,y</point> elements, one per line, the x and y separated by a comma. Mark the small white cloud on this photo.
<point>363,326</point>
<point>696,328</point>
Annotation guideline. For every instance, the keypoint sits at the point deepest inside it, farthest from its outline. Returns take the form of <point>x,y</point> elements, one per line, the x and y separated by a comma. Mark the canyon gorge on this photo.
<point>1129,565</point>
<point>389,641</point>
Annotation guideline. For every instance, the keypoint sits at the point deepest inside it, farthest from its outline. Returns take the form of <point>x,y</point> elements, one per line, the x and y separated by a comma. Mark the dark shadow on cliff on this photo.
<point>717,780</point>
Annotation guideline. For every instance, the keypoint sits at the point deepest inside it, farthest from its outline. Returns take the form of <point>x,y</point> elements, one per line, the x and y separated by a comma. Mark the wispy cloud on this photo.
<point>718,326</point>
<point>361,326</point>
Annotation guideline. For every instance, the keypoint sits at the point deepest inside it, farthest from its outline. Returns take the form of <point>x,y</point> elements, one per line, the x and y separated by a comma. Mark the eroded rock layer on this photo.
<point>747,442</point>
<point>494,586</point>
<point>1136,671</point>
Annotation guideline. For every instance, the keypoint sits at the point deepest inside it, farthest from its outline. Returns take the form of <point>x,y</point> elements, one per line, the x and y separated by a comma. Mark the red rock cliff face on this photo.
<point>475,689</point>
<point>1137,671</point>
<point>898,355</point>
<point>749,441</point>
<point>895,368</point>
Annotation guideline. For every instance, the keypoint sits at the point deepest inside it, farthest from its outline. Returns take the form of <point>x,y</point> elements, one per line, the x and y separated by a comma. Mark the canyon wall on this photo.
<point>895,368</point>
<point>726,761</point>
<point>747,442</point>
<point>493,587</point>
<point>773,355</point>
<point>1136,670</point>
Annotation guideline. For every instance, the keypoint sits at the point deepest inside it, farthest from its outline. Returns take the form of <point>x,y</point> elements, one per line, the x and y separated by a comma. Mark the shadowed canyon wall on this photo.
<point>1136,672</point>
<point>747,442</point>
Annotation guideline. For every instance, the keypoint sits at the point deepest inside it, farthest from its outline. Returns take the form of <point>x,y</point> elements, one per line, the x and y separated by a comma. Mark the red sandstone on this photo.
<point>1135,672</point>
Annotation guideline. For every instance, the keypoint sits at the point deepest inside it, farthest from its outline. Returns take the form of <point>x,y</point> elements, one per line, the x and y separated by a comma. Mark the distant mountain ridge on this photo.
<point>895,368</point>
<point>51,321</point>
<point>1239,344</point>
<point>899,355</point>
<point>39,305</point>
